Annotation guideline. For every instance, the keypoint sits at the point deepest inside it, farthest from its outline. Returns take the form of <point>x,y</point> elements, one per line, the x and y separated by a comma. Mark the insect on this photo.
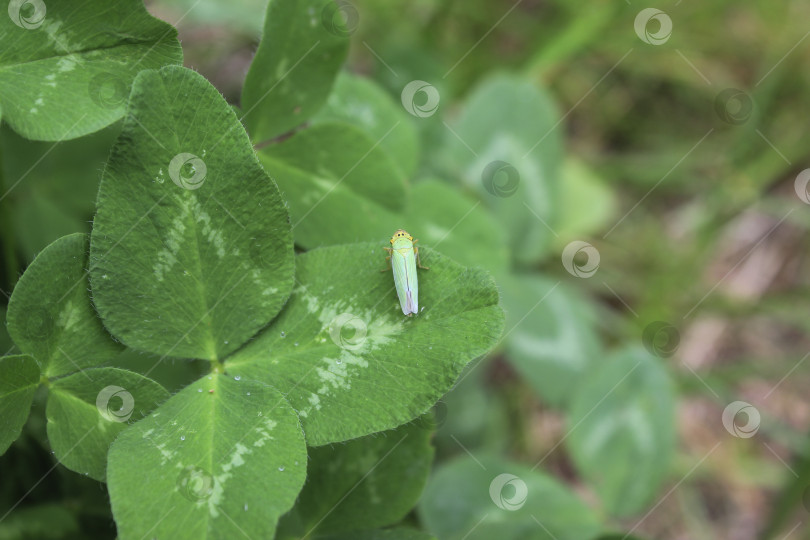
<point>404,258</point>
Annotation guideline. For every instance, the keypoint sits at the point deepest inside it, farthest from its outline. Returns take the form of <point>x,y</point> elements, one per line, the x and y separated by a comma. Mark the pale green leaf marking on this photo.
<point>509,120</point>
<point>87,410</point>
<point>50,315</point>
<point>294,67</point>
<point>553,340</point>
<point>488,497</point>
<point>337,193</point>
<point>360,101</point>
<point>65,71</point>
<point>191,249</point>
<point>335,351</point>
<point>624,410</point>
<point>440,216</point>
<point>224,458</point>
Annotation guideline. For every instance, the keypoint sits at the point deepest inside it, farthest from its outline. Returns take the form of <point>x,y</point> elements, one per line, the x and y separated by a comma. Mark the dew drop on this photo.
<point>182,437</point>
<point>237,377</point>
<point>296,344</point>
<point>226,342</point>
<point>210,377</point>
<point>431,348</point>
<point>283,333</point>
<point>199,389</point>
<point>248,393</point>
<point>245,507</point>
<point>339,361</point>
<point>281,469</point>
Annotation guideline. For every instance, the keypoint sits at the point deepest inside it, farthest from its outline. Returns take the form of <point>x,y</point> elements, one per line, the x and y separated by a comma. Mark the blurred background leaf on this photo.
<point>552,340</point>
<point>51,188</point>
<point>622,433</point>
<point>520,503</point>
<point>504,146</point>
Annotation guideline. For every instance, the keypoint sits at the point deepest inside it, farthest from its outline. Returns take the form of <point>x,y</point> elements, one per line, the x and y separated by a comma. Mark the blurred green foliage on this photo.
<point>616,142</point>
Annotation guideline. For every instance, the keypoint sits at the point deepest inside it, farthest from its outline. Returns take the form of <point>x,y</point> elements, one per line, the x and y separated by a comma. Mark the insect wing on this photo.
<point>403,263</point>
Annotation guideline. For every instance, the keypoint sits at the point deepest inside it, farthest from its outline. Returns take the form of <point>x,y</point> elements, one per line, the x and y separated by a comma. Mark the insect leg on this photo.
<point>418,259</point>
<point>387,268</point>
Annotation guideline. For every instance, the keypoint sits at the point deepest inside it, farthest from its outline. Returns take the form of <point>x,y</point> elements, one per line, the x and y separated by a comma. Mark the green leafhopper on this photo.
<point>404,257</point>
